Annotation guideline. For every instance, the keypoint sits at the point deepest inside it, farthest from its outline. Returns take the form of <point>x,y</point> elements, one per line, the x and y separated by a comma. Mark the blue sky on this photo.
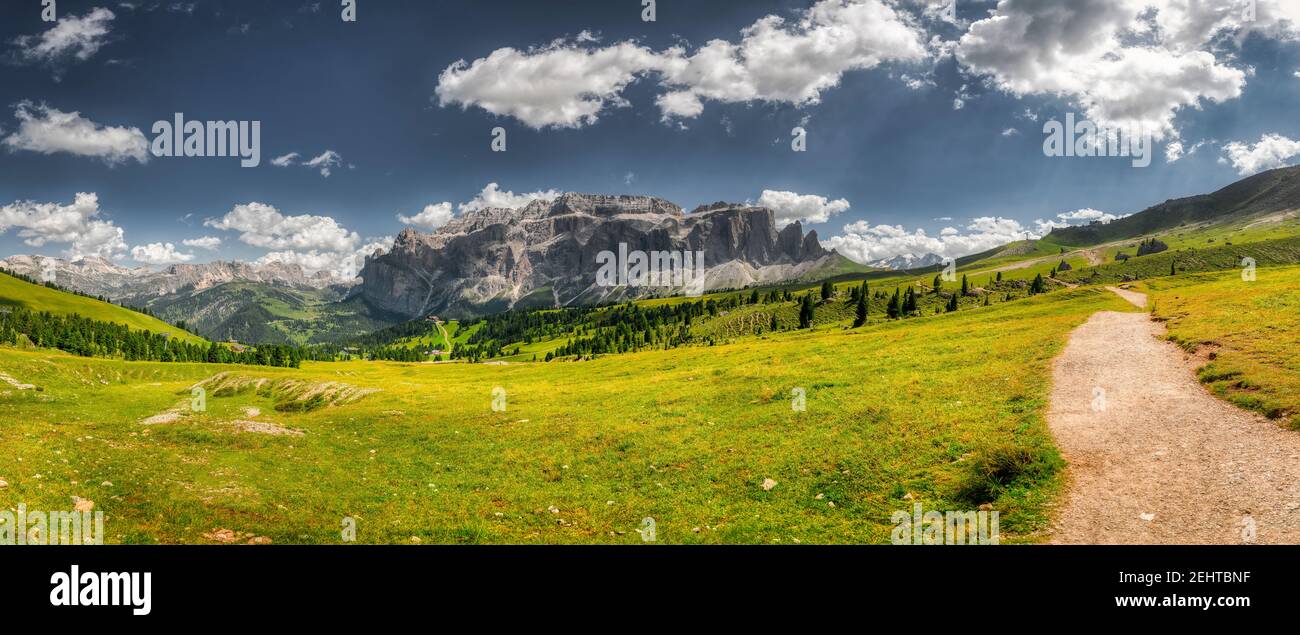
<point>914,123</point>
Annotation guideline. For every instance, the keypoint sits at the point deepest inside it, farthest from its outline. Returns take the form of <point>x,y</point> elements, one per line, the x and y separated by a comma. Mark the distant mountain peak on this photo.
<point>904,262</point>
<point>100,277</point>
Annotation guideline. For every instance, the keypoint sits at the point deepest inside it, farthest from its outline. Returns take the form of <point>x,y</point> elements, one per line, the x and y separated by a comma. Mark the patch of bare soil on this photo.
<point>264,427</point>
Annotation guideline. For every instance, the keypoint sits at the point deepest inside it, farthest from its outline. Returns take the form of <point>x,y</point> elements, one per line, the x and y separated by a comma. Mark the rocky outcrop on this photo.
<point>545,254</point>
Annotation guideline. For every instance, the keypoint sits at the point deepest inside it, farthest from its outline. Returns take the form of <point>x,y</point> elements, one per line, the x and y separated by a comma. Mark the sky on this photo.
<point>922,123</point>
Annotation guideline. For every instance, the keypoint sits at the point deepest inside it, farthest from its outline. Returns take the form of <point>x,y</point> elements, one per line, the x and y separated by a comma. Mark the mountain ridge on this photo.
<point>498,257</point>
<point>1270,191</point>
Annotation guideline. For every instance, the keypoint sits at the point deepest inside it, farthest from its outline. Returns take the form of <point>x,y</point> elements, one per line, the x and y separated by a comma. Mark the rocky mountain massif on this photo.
<point>545,254</point>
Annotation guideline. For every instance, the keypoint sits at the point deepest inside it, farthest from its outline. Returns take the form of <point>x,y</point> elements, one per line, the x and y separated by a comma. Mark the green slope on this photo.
<point>15,292</point>
<point>1263,194</point>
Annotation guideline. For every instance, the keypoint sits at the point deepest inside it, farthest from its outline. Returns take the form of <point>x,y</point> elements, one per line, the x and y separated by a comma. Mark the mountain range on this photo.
<point>541,255</point>
<point>547,254</point>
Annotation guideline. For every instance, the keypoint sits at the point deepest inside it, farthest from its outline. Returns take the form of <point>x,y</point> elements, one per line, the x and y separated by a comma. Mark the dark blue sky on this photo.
<point>366,90</point>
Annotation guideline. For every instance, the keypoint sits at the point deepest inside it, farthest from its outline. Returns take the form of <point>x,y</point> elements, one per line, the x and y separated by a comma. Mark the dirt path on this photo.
<point>1154,458</point>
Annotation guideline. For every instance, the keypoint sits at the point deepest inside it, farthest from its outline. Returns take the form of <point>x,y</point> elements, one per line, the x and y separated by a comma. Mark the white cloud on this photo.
<point>808,208</point>
<point>207,242</point>
<point>560,85</point>
<point>159,254</point>
<point>325,161</point>
<point>431,218</point>
<point>264,226</point>
<point>568,84</point>
<point>1076,217</point>
<point>779,61</point>
<point>1272,151</point>
<point>1124,62</point>
<point>492,196</point>
<point>48,130</point>
<point>342,265</point>
<point>863,242</point>
<point>71,38</point>
<point>1010,132</point>
<point>285,161</point>
<point>1175,150</point>
<point>78,225</point>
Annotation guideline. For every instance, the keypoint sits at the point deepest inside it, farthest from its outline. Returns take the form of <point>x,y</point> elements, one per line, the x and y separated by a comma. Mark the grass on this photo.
<point>943,410</point>
<point>1248,332</point>
<point>15,292</point>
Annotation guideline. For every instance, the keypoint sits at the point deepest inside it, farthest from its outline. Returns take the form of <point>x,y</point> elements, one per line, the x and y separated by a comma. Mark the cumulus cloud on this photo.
<point>78,225</point>
<point>431,218</point>
<point>1076,217</point>
<point>561,85</point>
<point>72,38</point>
<point>864,243</point>
<point>48,130</point>
<point>262,225</point>
<point>568,84</point>
<point>315,243</point>
<point>341,265</point>
<point>159,254</point>
<point>1272,151</point>
<point>493,196</point>
<point>808,208</point>
<point>780,61</point>
<point>1124,62</point>
<point>207,242</point>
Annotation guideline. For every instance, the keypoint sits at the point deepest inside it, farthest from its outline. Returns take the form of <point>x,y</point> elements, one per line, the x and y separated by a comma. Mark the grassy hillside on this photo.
<point>943,410</point>
<point>1263,194</point>
<point>1248,334</point>
<point>1283,251</point>
<point>15,292</point>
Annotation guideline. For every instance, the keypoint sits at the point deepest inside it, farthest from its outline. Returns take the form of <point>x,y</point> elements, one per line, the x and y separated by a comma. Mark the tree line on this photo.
<point>83,336</point>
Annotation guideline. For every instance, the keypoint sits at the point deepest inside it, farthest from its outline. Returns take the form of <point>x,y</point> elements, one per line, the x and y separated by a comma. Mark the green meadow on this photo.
<point>582,451</point>
<point>1247,333</point>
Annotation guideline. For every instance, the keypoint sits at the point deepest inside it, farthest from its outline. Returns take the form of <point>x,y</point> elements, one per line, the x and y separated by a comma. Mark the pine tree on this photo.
<point>895,306</point>
<point>952,303</point>
<point>828,290</point>
<point>965,286</point>
<point>1038,286</point>
<point>909,301</point>
<point>999,276</point>
<point>1173,268</point>
<point>806,312</point>
<point>860,317</point>
<point>937,284</point>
